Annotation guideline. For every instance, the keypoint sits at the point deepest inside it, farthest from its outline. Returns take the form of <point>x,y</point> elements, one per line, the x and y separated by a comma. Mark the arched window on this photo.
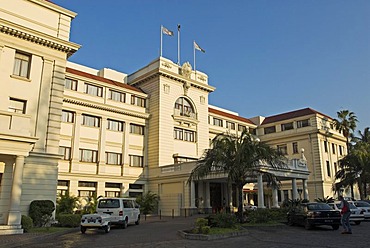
<point>184,107</point>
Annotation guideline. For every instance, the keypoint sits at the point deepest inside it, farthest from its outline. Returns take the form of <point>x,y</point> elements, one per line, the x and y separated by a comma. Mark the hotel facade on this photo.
<point>65,127</point>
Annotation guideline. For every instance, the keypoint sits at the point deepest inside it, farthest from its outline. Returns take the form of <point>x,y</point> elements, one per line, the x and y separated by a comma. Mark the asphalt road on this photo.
<point>163,233</point>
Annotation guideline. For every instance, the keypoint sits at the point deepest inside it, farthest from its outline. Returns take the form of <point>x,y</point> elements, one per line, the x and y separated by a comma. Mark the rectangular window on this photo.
<point>91,121</point>
<point>138,101</point>
<point>70,84</point>
<point>113,185</point>
<point>340,150</point>
<point>325,146</point>
<point>93,90</point>
<point>112,194</point>
<point>115,125</point>
<point>189,135</point>
<point>22,64</point>
<point>86,193</point>
<point>66,152</point>
<point>295,147</point>
<point>217,122</point>
<point>335,167</point>
<point>136,161</point>
<point>113,158</point>
<point>136,129</point>
<point>64,183</point>
<point>178,134</point>
<point>283,149</point>
<point>135,186</point>
<point>90,156</point>
<point>67,116</point>
<point>241,128</point>
<point>17,105</point>
<point>230,125</point>
<point>287,126</point>
<point>271,129</point>
<point>117,96</point>
<point>328,168</point>
<point>86,184</point>
<point>333,148</point>
<point>303,123</point>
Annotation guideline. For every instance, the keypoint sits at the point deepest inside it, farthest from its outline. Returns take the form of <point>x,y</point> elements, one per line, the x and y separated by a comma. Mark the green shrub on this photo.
<point>26,223</point>
<point>66,204</point>
<point>266,215</point>
<point>69,220</point>
<point>223,220</point>
<point>201,226</point>
<point>41,212</point>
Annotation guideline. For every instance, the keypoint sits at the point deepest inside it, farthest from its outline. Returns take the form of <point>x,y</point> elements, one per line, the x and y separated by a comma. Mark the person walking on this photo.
<point>346,213</point>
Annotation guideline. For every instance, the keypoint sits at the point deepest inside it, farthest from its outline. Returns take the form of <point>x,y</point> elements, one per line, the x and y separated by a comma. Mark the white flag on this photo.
<point>167,31</point>
<point>196,46</point>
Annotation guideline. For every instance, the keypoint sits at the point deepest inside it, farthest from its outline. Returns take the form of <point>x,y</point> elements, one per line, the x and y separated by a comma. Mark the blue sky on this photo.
<point>264,57</point>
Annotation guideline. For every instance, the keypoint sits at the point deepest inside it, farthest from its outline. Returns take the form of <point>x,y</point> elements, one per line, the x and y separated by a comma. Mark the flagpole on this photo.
<point>195,70</point>
<point>178,44</point>
<point>161,40</point>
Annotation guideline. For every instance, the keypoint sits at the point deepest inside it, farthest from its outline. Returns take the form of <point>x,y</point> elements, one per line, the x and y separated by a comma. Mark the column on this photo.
<point>14,217</point>
<point>294,189</point>
<point>192,194</point>
<point>275,199</point>
<point>101,146</point>
<point>208,196</point>
<point>76,138</point>
<point>261,203</point>
<point>305,189</point>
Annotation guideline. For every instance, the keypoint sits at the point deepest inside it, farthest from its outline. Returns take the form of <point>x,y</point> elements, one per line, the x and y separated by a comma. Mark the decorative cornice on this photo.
<point>38,37</point>
<point>114,110</point>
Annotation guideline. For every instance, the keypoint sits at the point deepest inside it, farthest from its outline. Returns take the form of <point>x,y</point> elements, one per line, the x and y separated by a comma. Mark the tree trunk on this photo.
<point>240,197</point>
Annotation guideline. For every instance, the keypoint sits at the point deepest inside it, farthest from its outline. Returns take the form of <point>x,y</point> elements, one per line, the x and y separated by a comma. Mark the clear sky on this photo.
<point>264,57</point>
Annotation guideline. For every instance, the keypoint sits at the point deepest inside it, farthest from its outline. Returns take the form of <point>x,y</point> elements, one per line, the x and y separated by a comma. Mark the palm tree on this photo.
<point>354,168</point>
<point>239,158</point>
<point>346,123</point>
<point>364,137</point>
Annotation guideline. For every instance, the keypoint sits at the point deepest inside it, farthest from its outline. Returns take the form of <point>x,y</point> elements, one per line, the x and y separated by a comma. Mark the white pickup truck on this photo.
<point>99,221</point>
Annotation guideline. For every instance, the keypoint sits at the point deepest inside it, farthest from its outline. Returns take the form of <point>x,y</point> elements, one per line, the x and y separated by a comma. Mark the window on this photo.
<point>136,161</point>
<point>70,84</point>
<point>17,106</point>
<point>113,158</point>
<point>135,186</point>
<point>179,159</point>
<point>184,107</point>
<point>182,134</point>
<point>117,96</point>
<point>325,146</point>
<point>268,130</point>
<point>283,149</point>
<point>287,126</point>
<point>295,147</point>
<point>87,184</point>
<point>230,125</point>
<point>112,194</point>
<point>115,125</point>
<point>303,123</point>
<point>253,131</point>
<point>66,152</point>
<point>333,147</point>
<point>91,121</point>
<point>328,168</point>
<point>86,193</point>
<point>335,167</point>
<point>93,90</point>
<point>217,122</point>
<point>340,150</point>
<point>136,129</point>
<point>64,183</point>
<point>67,116</point>
<point>22,64</point>
<point>241,128</point>
<point>90,156</point>
<point>138,101</point>
<point>113,185</point>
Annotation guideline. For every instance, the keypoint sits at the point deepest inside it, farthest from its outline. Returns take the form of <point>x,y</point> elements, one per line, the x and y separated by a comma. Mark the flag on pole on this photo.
<point>167,31</point>
<point>196,46</point>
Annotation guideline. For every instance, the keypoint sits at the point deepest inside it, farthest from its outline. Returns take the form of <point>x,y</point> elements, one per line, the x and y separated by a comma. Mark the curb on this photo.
<point>205,237</point>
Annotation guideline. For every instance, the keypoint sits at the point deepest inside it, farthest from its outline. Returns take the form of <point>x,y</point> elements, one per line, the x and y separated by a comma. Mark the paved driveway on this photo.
<point>163,233</point>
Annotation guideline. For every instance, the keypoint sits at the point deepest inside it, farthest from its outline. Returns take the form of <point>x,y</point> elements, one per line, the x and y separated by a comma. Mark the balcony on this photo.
<point>188,116</point>
<point>14,123</point>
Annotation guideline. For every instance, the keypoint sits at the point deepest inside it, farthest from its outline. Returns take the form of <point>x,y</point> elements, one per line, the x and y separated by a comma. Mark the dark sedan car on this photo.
<point>314,214</point>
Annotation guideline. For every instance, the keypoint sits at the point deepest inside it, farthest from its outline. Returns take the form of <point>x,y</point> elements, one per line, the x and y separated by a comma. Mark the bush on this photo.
<point>69,220</point>
<point>26,223</point>
<point>201,226</point>
<point>223,220</point>
<point>41,212</point>
<point>266,215</point>
<point>66,204</point>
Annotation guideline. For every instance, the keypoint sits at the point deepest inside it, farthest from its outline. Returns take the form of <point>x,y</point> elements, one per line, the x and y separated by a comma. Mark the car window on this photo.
<point>362,204</point>
<point>319,206</point>
<point>127,204</point>
<point>108,203</point>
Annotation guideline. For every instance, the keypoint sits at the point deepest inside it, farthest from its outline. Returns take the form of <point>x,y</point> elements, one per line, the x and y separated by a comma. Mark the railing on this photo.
<point>177,113</point>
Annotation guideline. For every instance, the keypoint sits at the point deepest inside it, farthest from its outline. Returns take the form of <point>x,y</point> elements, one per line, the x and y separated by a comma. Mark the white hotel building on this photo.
<point>65,127</point>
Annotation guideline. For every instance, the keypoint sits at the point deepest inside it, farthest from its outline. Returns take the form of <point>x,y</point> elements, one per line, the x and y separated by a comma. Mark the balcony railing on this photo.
<point>14,123</point>
<point>177,113</point>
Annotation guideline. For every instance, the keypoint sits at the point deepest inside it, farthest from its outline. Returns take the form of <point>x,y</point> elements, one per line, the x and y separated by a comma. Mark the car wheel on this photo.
<point>357,222</point>
<point>107,228</point>
<point>307,225</point>
<point>124,225</point>
<point>138,220</point>
<point>83,229</point>
<point>335,227</point>
<point>290,221</point>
